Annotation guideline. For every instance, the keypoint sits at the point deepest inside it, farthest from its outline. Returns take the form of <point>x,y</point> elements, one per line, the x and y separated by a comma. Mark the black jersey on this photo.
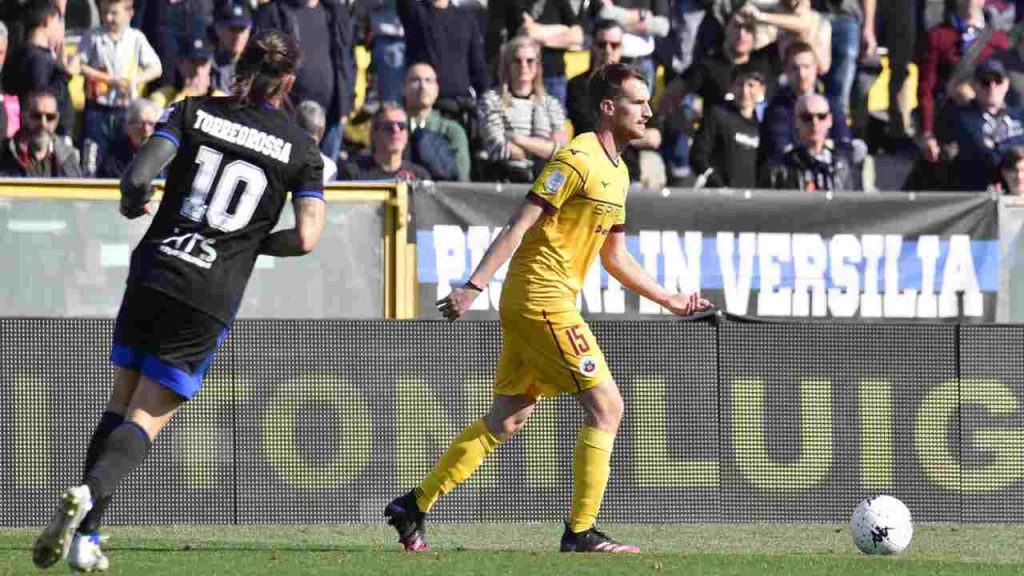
<point>225,190</point>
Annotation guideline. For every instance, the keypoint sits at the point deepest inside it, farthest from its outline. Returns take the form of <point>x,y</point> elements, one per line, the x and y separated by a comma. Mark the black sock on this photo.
<point>108,423</point>
<point>125,451</point>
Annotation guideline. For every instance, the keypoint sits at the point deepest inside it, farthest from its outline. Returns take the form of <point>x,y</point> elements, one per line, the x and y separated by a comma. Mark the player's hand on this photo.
<point>684,304</point>
<point>454,305</point>
<point>133,212</point>
<point>132,208</point>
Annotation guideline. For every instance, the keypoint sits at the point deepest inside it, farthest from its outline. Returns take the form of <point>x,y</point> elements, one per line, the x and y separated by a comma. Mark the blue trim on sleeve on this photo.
<point>308,194</point>
<point>169,136</point>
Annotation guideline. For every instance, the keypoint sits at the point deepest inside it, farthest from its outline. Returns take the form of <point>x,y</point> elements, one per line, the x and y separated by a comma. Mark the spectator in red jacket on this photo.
<point>941,51</point>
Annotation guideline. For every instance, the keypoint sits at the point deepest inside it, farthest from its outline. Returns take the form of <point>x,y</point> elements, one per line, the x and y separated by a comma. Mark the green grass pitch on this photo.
<point>525,550</point>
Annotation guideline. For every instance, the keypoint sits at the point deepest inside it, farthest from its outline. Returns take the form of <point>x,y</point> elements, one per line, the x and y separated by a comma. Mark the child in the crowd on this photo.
<point>117,61</point>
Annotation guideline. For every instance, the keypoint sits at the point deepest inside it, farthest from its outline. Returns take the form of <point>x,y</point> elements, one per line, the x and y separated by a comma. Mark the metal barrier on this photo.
<point>65,250</point>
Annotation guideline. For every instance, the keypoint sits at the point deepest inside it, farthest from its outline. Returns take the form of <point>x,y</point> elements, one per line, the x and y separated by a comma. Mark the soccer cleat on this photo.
<point>53,544</point>
<point>593,540</point>
<point>85,554</point>
<point>405,516</point>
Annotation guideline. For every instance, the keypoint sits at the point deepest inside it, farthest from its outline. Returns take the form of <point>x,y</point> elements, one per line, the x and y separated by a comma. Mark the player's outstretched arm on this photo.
<point>136,190</point>
<point>501,249</point>
<point>621,264</point>
<point>310,213</point>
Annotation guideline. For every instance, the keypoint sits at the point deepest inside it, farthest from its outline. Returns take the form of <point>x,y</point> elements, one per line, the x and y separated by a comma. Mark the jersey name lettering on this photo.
<point>251,138</point>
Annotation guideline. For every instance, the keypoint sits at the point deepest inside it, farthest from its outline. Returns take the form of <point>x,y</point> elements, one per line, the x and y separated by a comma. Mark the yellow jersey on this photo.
<point>583,194</point>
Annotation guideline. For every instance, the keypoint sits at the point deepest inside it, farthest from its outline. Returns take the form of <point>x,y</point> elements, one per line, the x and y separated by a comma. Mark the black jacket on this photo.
<point>727,145</point>
<point>798,170</point>
<point>280,15</point>
<point>451,41</point>
<point>64,160</point>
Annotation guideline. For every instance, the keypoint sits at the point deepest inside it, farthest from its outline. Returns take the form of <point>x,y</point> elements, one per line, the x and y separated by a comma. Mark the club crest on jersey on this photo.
<point>588,365</point>
<point>553,183</point>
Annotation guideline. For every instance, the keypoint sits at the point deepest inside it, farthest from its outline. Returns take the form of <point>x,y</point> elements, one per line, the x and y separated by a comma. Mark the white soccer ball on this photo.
<point>882,525</point>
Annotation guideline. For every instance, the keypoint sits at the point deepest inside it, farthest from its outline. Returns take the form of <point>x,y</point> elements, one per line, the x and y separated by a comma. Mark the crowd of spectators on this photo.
<point>747,93</point>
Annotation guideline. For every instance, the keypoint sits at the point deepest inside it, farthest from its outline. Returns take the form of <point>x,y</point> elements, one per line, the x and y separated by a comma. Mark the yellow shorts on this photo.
<point>548,356</point>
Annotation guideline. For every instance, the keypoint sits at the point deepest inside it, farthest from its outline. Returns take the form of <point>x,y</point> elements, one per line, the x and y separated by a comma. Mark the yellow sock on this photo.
<point>464,456</point>
<point>591,468</point>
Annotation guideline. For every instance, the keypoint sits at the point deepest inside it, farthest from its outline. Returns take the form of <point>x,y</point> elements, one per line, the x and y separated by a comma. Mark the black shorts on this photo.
<point>165,339</point>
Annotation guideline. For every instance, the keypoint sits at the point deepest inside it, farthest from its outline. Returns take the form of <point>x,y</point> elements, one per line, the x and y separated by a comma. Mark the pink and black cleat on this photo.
<point>593,540</point>
<point>405,516</point>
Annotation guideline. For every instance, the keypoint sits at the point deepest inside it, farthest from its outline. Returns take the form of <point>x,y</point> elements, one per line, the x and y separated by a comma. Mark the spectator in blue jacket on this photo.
<point>986,127</point>
<point>324,31</point>
<point>778,127</point>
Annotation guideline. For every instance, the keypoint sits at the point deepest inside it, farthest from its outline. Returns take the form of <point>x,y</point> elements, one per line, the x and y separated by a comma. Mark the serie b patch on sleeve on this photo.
<point>588,365</point>
<point>554,182</point>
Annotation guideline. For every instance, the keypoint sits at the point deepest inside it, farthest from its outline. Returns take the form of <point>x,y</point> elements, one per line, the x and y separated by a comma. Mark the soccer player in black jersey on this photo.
<point>232,162</point>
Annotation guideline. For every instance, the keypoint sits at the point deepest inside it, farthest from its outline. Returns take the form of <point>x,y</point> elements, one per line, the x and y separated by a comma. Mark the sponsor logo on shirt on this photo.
<point>747,140</point>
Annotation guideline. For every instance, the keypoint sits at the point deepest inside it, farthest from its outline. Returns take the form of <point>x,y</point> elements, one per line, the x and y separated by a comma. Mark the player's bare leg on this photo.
<point>508,414</point>
<point>591,467</point>
<point>407,513</point>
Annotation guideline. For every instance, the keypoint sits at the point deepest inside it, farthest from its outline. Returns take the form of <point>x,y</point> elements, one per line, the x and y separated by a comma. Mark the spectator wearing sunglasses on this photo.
<point>389,139</point>
<point>643,21</point>
<point>554,24</point>
<point>521,125</point>
<point>39,64</point>
<point>606,48</point>
<point>986,127</point>
<point>778,128</point>
<point>811,164</point>
<point>36,150</point>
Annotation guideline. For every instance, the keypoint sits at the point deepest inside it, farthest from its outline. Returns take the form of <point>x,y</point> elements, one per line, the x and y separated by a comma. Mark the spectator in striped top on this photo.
<point>521,125</point>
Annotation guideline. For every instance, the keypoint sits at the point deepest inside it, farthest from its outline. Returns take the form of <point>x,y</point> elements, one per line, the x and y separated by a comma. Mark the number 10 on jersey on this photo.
<point>217,209</point>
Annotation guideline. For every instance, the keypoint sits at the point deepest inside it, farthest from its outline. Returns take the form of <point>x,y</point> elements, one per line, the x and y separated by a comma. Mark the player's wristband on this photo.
<point>469,284</point>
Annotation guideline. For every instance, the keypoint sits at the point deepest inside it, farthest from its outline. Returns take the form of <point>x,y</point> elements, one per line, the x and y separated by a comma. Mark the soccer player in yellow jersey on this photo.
<point>574,211</point>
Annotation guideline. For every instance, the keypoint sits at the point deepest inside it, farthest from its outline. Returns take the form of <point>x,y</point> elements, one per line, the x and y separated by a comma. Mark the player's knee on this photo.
<point>507,415</point>
<point>611,413</point>
<point>506,428</point>
<point>605,408</point>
